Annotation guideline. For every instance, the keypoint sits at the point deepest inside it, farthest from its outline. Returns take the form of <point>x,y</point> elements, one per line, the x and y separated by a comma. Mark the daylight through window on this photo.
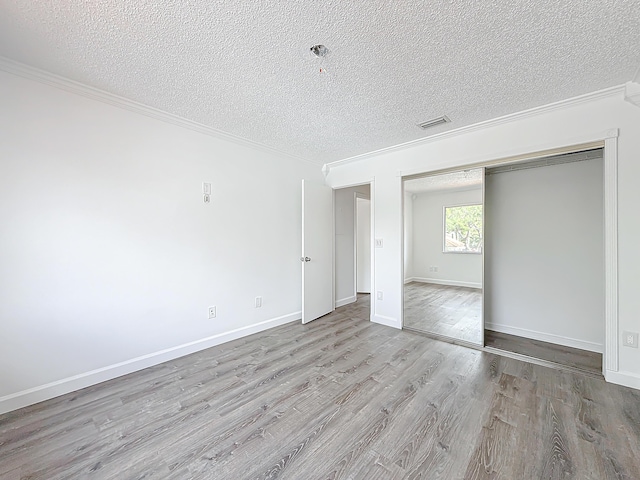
<point>463,229</point>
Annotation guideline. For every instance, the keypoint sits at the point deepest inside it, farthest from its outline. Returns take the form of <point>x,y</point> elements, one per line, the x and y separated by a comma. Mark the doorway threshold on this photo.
<point>543,353</point>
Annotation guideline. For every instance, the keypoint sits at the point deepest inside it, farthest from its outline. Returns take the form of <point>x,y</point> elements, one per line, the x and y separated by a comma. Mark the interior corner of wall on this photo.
<point>632,93</point>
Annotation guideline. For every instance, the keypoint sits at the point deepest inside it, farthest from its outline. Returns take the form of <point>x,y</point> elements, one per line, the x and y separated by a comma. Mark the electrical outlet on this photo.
<point>630,339</point>
<point>258,302</point>
<point>379,243</point>
<point>379,295</point>
<point>212,312</point>
<point>206,198</point>
<point>435,269</point>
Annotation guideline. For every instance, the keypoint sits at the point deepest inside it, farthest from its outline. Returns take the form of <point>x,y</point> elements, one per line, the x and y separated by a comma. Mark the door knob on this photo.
<point>305,259</point>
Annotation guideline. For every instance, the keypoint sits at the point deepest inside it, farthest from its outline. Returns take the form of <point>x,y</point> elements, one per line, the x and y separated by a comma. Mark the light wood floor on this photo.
<point>339,398</point>
<point>454,312</point>
<point>589,362</point>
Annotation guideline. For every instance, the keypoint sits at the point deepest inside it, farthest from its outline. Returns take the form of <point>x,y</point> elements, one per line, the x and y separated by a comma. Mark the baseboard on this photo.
<point>409,280</point>
<point>388,321</point>
<point>439,281</point>
<point>626,379</point>
<point>38,394</point>
<point>546,337</point>
<point>346,301</point>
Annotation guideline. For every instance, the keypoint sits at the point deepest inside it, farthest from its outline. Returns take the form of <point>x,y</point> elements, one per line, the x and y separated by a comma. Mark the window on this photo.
<point>463,229</point>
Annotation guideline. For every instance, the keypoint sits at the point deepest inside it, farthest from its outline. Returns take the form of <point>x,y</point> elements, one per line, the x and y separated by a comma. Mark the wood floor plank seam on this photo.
<point>338,398</point>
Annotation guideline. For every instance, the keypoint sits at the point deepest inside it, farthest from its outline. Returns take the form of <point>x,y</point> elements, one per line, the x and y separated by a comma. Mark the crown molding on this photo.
<point>63,83</point>
<point>610,92</point>
<point>632,93</point>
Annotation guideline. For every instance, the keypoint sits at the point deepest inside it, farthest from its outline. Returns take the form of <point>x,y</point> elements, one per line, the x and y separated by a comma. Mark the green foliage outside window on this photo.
<point>463,229</point>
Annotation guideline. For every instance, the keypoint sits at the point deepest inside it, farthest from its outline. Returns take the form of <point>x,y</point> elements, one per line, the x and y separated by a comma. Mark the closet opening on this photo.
<point>545,260</point>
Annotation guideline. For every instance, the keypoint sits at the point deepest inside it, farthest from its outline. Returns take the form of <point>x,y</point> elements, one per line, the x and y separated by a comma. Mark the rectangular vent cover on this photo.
<point>434,122</point>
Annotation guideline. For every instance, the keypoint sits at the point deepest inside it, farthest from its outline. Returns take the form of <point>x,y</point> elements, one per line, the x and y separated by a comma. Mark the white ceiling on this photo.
<point>459,180</point>
<point>245,68</point>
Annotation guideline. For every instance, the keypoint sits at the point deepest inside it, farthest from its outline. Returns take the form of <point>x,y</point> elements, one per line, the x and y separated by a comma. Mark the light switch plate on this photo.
<point>630,339</point>
<point>206,188</point>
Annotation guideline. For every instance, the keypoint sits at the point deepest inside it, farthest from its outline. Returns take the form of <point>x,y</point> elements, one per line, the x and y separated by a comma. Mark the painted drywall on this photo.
<point>363,245</point>
<point>407,225</point>
<point>345,260</point>
<point>462,269</point>
<point>544,254</point>
<point>109,259</point>
<point>570,123</point>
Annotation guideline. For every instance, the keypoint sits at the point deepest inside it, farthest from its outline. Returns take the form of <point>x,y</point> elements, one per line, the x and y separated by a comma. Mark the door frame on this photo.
<point>608,141</point>
<point>356,196</point>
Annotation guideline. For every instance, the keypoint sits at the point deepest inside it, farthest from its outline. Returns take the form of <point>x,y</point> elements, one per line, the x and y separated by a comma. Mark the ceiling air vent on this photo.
<point>434,122</point>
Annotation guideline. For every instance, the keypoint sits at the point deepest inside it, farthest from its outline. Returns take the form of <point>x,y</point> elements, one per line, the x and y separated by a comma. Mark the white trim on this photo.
<point>361,196</point>
<point>632,93</point>
<point>444,224</point>
<point>611,253</point>
<point>372,248</point>
<point>40,393</point>
<point>610,92</point>
<point>441,281</point>
<point>520,153</point>
<point>387,321</point>
<point>633,99</point>
<point>627,379</point>
<point>32,73</point>
<point>546,337</point>
<point>346,301</point>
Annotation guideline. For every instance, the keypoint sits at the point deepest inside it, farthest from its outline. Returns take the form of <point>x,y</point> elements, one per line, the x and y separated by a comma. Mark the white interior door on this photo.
<point>317,251</point>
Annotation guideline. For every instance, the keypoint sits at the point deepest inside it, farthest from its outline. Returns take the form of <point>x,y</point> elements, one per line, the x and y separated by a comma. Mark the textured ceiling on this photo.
<point>245,67</point>
<point>460,180</point>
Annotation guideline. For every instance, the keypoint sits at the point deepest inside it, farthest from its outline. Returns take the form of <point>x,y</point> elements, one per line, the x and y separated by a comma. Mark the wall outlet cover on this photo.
<point>630,339</point>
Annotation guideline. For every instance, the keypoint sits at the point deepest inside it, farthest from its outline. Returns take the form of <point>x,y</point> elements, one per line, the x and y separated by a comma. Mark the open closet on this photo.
<point>510,258</point>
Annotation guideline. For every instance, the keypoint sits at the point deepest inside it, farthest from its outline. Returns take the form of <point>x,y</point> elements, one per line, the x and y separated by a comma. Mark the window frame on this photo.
<point>444,229</point>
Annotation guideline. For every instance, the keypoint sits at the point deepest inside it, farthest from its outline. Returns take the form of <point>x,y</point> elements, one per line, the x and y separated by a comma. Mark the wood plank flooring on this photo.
<point>339,398</point>
<point>590,362</point>
<point>454,312</point>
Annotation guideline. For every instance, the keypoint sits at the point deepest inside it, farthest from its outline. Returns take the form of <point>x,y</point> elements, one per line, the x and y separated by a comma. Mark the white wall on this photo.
<point>363,245</point>
<point>544,254</point>
<point>345,218</point>
<point>408,235</point>
<point>571,123</point>
<point>461,269</point>
<point>108,254</point>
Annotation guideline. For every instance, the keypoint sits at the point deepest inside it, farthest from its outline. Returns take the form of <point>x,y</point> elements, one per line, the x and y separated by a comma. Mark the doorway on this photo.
<point>353,238</point>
